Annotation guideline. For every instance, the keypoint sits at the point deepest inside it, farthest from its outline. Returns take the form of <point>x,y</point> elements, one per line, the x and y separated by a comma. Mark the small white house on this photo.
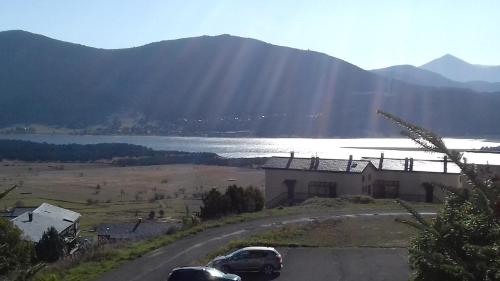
<point>291,179</point>
<point>34,223</point>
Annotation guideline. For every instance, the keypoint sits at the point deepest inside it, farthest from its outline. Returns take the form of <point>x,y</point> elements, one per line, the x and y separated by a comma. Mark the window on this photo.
<point>322,189</point>
<point>257,254</point>
<point>241,255</point>
<point>363,178</point>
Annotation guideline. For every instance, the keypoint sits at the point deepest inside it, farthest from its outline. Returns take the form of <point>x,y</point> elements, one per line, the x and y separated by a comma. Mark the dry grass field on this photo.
<point>103,193</point>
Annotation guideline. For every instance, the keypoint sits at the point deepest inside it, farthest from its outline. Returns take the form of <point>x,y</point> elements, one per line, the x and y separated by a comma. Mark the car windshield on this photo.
<point>215,272</point>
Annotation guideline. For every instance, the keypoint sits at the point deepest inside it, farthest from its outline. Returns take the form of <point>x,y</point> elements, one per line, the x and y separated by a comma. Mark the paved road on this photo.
<point>156,265</point>
<point>346,264</point>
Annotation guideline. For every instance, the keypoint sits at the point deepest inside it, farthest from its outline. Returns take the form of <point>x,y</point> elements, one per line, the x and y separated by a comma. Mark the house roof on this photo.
<point>322,165</point>
<point>44,217</point>
<point>429,166</point>
<point>124,230</point>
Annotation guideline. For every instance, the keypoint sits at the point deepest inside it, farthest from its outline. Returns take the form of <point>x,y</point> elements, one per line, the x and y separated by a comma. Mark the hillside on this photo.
<point>420,76</point>
<point>459,70</point>
<point>208,84</point>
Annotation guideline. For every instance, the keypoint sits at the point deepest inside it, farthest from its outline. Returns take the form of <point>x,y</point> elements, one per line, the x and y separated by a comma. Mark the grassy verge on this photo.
<point>358,232</point>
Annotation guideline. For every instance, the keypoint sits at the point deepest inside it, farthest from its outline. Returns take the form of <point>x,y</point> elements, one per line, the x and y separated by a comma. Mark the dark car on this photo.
<point>264,259</point>
<point>200,273</point>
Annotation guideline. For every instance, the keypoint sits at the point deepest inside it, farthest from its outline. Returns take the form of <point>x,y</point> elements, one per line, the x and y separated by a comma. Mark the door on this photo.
<point>429,193</point>
<point>333,190</point>
<point>239,261</point>
<point>290,185</point>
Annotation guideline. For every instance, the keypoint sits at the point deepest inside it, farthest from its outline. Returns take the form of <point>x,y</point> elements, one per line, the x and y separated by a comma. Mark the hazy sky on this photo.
<point>367,33</point>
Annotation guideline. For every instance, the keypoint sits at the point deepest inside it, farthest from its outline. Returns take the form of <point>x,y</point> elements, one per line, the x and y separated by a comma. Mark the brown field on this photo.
<point>118,193</point>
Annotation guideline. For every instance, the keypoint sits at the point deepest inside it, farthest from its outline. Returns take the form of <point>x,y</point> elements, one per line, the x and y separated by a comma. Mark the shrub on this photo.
<point>214,204</point>
<point>255,196</point>
<point>235,200</point>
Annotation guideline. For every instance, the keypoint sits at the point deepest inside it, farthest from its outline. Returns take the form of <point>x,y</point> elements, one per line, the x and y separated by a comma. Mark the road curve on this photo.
<point>156,265</point>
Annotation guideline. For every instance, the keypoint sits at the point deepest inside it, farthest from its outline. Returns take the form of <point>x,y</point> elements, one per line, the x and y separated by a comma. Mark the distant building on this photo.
<point>16,212</point>
<point>34,223</point>
<point>291,179</point>
<point>111,232</point>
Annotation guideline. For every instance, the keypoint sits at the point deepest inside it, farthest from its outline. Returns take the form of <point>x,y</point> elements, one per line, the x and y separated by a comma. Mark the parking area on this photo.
<point>346,264</point>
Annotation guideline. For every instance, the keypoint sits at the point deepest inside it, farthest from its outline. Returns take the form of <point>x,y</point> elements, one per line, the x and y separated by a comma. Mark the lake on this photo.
<point>260,147</point>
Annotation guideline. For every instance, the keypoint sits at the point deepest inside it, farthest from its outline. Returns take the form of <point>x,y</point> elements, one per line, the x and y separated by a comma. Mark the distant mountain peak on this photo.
<point>457,69</point>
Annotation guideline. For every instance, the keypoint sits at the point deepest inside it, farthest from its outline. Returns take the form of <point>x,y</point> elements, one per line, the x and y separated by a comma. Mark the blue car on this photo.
<point>201,273</point>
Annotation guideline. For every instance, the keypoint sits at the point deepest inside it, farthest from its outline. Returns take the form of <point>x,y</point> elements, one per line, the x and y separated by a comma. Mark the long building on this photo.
<point>291,179</point>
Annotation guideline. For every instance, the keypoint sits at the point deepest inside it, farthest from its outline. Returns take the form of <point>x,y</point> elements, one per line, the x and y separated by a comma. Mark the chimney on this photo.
<point>139,220</point>
<point>313,160</point>
<point>349,163</point>
<point>30,216</point>
<point>292,154</point>
<point>316,164</point>
<point>406,164</point>
<point>381,162</point>
<point>445,164</point>
<point>411,164</point>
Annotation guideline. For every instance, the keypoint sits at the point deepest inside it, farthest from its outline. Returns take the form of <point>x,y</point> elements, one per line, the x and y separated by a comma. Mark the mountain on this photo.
<point>456,69</point>
<point>419,76</point>
<point>222,83</point>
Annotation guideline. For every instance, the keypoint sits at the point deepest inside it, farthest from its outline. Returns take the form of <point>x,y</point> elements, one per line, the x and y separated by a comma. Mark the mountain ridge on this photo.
<point>207,84</point>
<point>424,77</point>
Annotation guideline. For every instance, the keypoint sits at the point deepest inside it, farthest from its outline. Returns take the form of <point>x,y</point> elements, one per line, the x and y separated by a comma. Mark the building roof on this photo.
<point>322,165</point>
<point>125,230</point>
<point>429,166</point>
<point>44,217</point>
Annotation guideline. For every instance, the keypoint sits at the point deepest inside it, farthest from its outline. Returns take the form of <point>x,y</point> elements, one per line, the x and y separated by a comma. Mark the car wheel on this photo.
<point>225,269</point>
<point>268,269</point>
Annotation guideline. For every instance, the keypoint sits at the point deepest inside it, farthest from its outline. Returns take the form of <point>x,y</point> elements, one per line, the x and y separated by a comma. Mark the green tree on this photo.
<point>463,241</point>
<point>15,253</point>
<point>237,198</point>
<point>50,247</point>
<point>214,204</point>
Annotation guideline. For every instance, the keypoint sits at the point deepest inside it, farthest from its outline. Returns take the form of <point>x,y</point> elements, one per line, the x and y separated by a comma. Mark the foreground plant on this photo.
<point>463,241</point>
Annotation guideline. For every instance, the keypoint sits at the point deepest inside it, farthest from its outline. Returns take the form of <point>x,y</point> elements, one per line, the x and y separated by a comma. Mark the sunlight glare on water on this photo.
<point>265,147</point>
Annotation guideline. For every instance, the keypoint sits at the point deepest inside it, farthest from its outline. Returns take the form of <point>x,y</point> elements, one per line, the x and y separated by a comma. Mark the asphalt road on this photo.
<point>346,264</point>
<point>155,266</point>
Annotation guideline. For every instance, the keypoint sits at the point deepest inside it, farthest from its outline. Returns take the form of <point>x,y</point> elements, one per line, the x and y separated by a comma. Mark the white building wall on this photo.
<point>411,183</point>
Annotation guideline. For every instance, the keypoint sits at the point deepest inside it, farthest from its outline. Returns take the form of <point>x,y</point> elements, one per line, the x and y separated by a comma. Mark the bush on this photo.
<point>214,204</point>
<point>236,195</point>
<point>235,200</point>
<point>50,247</point>
<point>254,195</point>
